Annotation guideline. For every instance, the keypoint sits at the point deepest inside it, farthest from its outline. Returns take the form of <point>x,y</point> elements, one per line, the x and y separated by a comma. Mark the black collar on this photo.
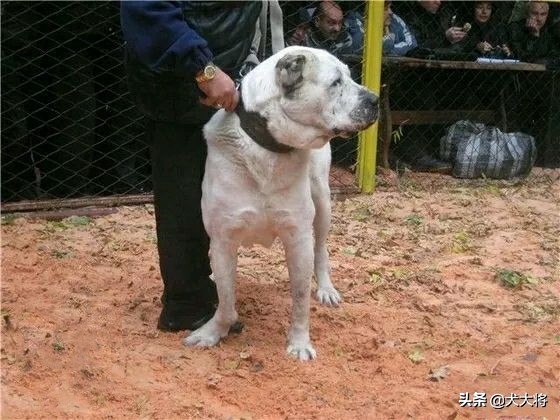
<point>256,127</point>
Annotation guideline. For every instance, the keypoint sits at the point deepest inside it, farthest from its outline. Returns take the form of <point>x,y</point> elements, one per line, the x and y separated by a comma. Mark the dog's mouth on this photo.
<point>353,131</point>
<point>341,133</point>
<point>345,134</point>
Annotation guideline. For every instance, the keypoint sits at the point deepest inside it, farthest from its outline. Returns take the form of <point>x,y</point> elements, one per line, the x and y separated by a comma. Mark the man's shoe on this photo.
<point>177,317</point>
<point>169,322</point>
<point>431,164</point>
<point>189,313</point>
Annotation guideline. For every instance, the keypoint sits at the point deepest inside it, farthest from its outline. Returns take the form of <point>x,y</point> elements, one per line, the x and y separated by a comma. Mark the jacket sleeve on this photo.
<point>405,40</point>
<point>158,37</point>
<point>425,34</point>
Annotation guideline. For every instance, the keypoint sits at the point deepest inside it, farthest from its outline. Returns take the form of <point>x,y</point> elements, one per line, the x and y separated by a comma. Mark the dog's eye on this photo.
<point>336,82</point>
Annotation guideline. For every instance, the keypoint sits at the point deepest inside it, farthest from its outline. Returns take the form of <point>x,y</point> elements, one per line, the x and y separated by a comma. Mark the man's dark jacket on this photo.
<point>428,28</point>
<point>530,48</point>
<point>167,43</point>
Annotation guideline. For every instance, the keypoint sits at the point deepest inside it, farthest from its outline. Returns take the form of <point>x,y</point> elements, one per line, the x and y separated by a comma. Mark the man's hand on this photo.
<point>484,47</point>
<point>389,37</point>
<point>220,92</point>
<point>506,50</point>
<point>386,30</point>
<point>455,34</point>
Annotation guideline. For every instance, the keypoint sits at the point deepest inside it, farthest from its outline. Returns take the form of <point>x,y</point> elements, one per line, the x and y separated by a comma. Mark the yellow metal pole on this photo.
<point>371,77</point>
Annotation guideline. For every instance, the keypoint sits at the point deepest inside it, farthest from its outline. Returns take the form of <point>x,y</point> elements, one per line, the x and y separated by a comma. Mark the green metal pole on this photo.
<point>371,77</point>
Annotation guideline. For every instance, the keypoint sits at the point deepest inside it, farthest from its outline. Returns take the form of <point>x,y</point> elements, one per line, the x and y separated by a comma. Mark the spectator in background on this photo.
<point>433,25</point>
<point>531,38</point>
<point>327,27</point>
<point>327,30</point>
<point>397,38</point>
<point>487,36</point>
<point>531,103</point>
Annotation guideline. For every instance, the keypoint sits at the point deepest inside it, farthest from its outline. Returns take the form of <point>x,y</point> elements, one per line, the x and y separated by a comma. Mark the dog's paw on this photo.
<point>302,351</point>
<point>206,336</point>
<point>328,296</point>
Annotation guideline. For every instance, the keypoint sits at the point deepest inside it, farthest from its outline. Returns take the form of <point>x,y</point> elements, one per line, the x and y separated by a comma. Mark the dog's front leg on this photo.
<point>224,267</point>
<point>320,192</point>
<point>299,256</point>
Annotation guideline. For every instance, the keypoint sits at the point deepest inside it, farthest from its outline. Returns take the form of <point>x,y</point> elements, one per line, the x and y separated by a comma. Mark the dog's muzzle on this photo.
<point>367,110</point>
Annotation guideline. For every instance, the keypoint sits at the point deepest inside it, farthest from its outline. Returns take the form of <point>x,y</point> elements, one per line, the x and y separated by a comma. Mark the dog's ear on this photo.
<point>289,71</point>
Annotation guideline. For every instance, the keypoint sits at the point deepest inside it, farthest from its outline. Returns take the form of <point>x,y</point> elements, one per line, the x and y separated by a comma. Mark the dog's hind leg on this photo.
<point>224,267</point>
<point>326,293</point>
<point>299,256</point>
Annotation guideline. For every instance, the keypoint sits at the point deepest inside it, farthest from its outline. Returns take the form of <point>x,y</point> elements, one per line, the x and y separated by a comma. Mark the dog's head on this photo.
<point>308,97</point>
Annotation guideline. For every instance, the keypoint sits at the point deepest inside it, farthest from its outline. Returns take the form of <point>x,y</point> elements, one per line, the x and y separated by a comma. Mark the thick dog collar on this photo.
<point>256,127</point>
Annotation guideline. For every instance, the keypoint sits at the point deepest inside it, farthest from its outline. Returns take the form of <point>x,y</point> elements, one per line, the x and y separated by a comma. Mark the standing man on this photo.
<point>181,58</point>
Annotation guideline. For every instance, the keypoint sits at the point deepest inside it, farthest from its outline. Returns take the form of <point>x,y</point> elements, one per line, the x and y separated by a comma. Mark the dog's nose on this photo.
<point>369,99</point>
<point>369,106</point>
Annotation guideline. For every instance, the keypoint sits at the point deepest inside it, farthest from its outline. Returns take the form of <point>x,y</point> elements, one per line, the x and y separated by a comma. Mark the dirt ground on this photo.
<point>450,287</point>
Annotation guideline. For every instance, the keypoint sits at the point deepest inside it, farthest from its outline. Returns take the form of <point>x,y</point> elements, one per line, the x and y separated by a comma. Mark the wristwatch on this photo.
<point>207,73</point>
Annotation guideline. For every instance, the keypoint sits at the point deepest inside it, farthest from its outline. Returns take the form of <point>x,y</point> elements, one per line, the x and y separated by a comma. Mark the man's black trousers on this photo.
<point>178,154</point>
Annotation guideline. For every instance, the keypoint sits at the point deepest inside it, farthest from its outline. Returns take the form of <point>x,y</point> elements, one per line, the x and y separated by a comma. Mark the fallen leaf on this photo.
<point>453,415</point>
<point>416,356</point>
<point>213,380</point>
<point>245,354</point>
<point>438,374</point>
<point>232,364</point>
<point>531,357</point>
<point>339,352</point>
<point>257,367</point>
<point>350,251</point>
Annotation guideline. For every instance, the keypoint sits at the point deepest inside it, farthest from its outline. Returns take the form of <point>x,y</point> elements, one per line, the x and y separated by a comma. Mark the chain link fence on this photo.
<point>70,130</point>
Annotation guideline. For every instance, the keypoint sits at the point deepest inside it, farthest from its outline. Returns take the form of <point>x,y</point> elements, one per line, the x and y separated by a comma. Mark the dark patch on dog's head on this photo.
<point>289,73</point>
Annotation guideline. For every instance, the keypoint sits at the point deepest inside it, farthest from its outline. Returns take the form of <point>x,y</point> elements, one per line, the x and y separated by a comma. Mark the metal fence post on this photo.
<point>371,78</point>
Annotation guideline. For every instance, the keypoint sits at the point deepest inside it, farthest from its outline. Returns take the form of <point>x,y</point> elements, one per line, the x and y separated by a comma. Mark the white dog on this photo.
<point>267,176</point>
